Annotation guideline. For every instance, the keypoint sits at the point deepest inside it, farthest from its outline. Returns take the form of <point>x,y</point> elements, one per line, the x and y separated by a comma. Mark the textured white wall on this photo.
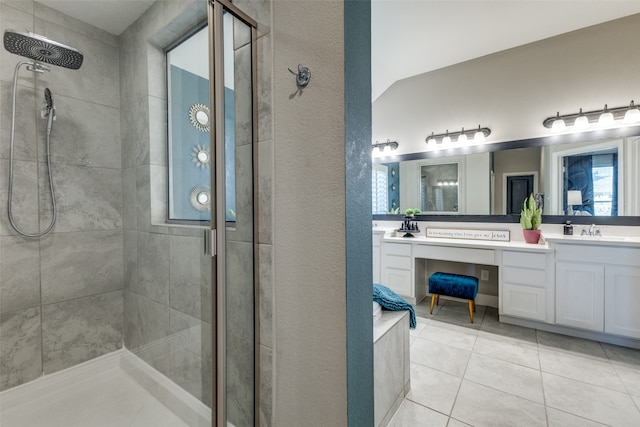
<point>309,202</point>
<point>513,91</point>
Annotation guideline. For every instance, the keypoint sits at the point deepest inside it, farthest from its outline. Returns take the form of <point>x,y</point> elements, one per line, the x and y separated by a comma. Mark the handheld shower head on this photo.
<point>48,100</point>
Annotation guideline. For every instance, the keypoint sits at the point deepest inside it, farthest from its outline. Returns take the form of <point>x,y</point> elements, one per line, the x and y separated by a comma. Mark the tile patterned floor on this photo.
<point>493,374</point>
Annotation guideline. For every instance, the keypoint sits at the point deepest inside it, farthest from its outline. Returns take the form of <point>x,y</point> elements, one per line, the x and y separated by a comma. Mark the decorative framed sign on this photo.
<point>461,233</point>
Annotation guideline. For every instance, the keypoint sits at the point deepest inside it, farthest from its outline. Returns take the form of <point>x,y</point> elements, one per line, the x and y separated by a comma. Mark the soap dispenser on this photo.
<point>568,229</point>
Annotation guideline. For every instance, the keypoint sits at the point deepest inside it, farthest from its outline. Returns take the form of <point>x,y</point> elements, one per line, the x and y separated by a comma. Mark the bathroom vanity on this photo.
<point>582,286</point>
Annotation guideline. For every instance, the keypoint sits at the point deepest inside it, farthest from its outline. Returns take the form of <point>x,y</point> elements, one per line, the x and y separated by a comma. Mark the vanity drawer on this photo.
<point>524,276</point>
<point>600,254</point>
<point>524,259</point>
<point>448,253</point>
<point>401,249</point>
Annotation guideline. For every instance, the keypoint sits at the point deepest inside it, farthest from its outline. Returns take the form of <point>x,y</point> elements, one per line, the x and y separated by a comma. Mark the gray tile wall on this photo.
<point>61,296</point>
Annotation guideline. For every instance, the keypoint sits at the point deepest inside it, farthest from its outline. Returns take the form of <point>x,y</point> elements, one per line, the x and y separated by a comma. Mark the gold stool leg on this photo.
<point>433,300</point>
<point>471,304</point>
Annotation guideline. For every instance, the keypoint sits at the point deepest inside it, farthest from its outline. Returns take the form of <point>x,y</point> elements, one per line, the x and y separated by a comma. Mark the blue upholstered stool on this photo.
<point>454,285</point>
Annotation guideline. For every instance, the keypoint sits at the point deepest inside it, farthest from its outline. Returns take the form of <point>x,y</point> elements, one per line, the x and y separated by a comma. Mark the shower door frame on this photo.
<point>216,9</point>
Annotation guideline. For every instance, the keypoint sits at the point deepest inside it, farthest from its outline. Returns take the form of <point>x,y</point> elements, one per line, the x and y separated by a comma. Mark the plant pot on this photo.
<point>531,236</point>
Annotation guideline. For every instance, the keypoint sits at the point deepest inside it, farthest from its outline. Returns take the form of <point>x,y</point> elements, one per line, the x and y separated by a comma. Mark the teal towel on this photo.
<point>392,301</point>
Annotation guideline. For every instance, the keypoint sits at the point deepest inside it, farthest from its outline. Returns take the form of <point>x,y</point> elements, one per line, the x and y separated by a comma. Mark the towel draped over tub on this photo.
<point>392,301</point>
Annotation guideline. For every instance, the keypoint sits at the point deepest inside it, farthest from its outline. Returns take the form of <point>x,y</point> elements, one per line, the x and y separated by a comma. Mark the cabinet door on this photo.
<point>376,264</point>
<point>622,300</point>
<point>580,295</point>
<point>398,280</point>
<point>524,301</point>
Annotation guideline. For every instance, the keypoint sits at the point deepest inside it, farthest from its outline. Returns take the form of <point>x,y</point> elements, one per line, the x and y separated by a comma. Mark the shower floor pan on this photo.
<point>104,392</point>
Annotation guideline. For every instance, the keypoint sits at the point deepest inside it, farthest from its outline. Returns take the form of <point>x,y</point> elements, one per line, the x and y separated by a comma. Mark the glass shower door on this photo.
<point>233,66</point>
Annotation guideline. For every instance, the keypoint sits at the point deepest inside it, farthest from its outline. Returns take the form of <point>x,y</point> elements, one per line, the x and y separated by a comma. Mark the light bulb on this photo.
<point>431,140</point>
<point>606,118</point>
<point>558,124</point>
<point>447,138</point>
<point>462,139</point>
<point>479,135</point>
<point>582,122</point>
<point>632,115</point>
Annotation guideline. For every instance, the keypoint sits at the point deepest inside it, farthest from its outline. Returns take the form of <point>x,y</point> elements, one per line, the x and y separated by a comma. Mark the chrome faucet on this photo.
<point>593,231</point>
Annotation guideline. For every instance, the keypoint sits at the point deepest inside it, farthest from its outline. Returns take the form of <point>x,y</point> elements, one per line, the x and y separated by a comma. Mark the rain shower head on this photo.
<point>42,49</point>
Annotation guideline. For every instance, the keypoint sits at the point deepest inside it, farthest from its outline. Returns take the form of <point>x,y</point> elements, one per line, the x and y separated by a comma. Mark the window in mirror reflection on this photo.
<point>379,188</point>
<point>439,188</point>
<point>591,184</point>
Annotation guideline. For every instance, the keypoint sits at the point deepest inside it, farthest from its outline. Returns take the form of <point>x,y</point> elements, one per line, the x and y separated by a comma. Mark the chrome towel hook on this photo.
<point>302,76</point>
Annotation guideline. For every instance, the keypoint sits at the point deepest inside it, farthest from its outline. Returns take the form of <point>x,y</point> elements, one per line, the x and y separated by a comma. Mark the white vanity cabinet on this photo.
<point>377,239</point>
<point>527,285</point>
<point>580,295</point>
<point>598,288</point>
<point>397,269</point>
<point>622,300</point>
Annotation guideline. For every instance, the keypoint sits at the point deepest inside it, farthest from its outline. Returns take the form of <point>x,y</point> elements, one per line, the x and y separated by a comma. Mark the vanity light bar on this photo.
<point>385,146</point>
<point>605,117</point>
<point>478,135</point>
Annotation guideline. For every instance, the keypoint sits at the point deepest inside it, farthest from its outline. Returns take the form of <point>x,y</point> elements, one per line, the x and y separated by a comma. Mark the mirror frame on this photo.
<point>595,135</point>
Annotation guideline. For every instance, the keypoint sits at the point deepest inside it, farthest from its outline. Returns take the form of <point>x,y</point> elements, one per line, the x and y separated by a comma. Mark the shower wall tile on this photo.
<point>243,96</point>
<point>81,329</point>
<point>243,231</point>
<point>25,144</point>
<point>159,198</point>
<point>81,264</point>
<point>266,386</point>
<point>181,16</point>
<point>208,395</point>
<point>126,67</point>
<point>240,373</point>
<point>185,274</point>
<point>11,18</point>
<point>265,279</point>
<point>25,191</point>
<point>153,267</point>
<point>88,198</point>
<point>265,192</point>
<point>240,297</point>
<point>20,351</point>
<point>130,258</point>
<point>140,74</point>
<point>158,131</point>
<point>135,133</point>
<point>260,10</point>
<point>84,133</point>
<point>156,68</point>
<point>97,80</point>
<point>150,22</point>
<point>186,352</point>
<point>146,328</point>
<point>129,199</point>
<point>264,89</point>
<point>23,5</point>
<point>73,24</point>
<point>19,273</point>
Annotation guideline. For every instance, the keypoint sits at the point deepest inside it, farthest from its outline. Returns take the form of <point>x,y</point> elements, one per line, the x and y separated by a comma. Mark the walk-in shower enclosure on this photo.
<point>172,300</point>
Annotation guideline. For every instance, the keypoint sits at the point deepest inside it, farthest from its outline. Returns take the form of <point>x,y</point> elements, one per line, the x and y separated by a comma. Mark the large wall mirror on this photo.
<point>585,177</point>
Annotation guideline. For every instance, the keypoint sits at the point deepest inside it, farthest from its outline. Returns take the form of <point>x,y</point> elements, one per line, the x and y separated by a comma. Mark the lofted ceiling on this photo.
<point>411,37</point>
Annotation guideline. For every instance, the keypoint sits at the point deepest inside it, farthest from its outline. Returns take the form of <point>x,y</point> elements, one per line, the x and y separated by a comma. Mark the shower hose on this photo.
<point>36,68</point>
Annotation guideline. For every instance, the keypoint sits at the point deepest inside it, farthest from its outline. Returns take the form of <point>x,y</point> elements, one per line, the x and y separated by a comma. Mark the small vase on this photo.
<point>531,236</point>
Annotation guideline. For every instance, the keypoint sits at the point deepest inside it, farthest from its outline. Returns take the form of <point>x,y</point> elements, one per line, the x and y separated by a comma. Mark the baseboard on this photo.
<point>579,333</point>
<point>182,403</point>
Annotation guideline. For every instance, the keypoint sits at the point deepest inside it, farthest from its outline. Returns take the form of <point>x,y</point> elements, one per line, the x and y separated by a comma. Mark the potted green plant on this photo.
<point>530,220</point>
